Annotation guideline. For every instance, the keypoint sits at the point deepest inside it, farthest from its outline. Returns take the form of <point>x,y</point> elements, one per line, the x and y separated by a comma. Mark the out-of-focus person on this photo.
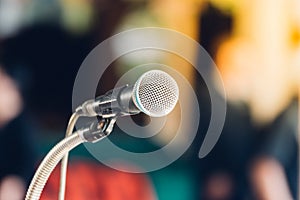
<point>274,171</point>
<point>225,168</point>
<point>16,152</point>
<point>223,172</point>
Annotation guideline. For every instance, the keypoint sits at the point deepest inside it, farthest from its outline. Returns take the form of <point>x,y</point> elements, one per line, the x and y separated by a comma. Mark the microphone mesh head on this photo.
<point>155,93</point>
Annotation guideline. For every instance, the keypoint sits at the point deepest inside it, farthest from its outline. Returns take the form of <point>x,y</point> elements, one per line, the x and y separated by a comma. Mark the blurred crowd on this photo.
<point>255,45</point>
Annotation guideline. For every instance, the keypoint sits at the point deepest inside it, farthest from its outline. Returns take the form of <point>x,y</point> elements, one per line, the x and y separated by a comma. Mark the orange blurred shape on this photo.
<point>87,180</point>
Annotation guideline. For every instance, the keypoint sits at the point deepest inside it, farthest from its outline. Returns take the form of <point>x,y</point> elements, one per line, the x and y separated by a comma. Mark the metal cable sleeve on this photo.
<point>64,162</point>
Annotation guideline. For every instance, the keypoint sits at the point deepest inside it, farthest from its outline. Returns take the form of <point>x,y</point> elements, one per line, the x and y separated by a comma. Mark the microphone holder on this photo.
<point>91,133</point>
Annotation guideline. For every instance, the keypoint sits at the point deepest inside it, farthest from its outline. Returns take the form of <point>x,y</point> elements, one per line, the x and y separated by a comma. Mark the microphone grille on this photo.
<point>155,93</point>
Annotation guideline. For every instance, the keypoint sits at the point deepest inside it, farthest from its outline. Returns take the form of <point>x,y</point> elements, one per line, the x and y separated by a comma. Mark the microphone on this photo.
<point>155,93</point>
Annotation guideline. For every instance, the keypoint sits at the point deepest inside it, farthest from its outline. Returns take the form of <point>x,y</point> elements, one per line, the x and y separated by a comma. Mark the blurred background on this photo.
<point>256,46</point>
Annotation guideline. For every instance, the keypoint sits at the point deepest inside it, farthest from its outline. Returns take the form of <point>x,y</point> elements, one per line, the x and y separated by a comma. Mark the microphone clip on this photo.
<point>97,130</point>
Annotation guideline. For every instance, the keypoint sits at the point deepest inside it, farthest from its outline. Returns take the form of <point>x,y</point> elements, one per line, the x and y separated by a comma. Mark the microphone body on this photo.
<point>155,93</point>
<point>116,102</point>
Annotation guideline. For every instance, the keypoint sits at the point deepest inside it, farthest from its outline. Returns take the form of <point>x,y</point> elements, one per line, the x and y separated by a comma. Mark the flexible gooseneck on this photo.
<point>48,164</point>
<point>91,133</point>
